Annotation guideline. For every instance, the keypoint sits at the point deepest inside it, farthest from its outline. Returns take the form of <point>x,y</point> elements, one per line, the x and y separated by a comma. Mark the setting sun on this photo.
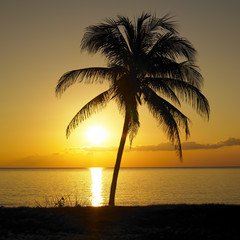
<point>96,134</point>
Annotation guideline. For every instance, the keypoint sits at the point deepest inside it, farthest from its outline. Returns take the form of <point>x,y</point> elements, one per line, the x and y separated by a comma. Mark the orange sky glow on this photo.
<point>40,41</point>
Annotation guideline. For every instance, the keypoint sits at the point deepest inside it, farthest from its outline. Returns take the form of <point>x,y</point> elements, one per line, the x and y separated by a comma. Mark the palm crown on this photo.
<point>148,62</point>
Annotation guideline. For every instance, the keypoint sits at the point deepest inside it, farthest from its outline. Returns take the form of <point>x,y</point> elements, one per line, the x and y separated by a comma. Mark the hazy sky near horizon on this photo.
<point>40,41</point>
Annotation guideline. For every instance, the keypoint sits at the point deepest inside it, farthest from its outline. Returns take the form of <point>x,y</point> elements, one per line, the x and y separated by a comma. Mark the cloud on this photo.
<point>86,149</point>
<point>189,146</point>
<point>226,143</point>
<point>80,157</point>
<point>160,147</point>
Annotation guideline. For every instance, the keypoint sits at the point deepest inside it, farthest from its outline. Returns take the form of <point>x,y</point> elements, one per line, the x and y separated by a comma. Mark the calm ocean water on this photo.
<point>136,186</point>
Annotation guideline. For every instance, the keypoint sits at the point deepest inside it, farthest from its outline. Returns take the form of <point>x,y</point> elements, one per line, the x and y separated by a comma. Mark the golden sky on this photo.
<point>40,41</point>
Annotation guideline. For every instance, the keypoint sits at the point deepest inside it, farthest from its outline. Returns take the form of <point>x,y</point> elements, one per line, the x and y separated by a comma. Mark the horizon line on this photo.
<point>3,168</point>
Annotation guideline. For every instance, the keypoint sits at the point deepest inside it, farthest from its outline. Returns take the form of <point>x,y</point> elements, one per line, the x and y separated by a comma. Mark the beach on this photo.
<point>206,221</point>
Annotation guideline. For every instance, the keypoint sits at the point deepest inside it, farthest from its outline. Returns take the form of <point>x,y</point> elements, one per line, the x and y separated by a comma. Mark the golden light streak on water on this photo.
<point>96,187</point>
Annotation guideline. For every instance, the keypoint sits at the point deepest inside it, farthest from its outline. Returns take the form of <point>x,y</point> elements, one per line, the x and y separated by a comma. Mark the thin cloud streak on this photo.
<point>227,143</point>
<point>162,147</point>
<point>85,149</point>
<point>190,146</point>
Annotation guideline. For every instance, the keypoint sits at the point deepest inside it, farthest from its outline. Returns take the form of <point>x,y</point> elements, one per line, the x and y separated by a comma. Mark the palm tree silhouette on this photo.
<point>148,62</point>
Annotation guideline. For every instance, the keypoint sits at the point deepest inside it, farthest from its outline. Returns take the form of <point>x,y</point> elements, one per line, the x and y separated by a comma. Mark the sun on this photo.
<point>96,134</point>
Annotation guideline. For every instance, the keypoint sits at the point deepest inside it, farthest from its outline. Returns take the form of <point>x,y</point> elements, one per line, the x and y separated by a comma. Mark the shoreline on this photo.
<point>180,221</point>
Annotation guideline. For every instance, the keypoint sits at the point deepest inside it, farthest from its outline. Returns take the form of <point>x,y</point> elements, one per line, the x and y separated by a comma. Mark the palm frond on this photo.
<point>90,108</point>
<point>141,30</point>
<point>169,116</point>
<point>95,36</point>
<point>191,73</point>
<point>159,85</point>
<point>172,46</point>
<point>133,125</point>
<point>154,27</point>
<point>140,22</point>
<point>95,74</point>
<point>67,80</point>
<point>164,22</point>
<point>108,40</point>
<point>129,31</point>
<point>164,67</point>
<point>181,119</point>
<point>191,94</point>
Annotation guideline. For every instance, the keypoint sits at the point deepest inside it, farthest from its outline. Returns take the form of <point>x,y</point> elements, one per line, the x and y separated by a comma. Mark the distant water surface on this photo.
<point>136,186</point>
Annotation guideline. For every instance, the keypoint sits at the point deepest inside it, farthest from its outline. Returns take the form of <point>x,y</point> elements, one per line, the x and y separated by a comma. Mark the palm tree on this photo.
<point>148,62</point>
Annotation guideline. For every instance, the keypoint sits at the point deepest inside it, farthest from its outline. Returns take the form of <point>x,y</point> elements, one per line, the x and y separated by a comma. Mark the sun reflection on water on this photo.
<point>96,187</point>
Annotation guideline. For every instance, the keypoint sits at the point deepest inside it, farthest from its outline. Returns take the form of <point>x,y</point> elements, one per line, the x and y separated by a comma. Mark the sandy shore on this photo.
<point>152,222</point>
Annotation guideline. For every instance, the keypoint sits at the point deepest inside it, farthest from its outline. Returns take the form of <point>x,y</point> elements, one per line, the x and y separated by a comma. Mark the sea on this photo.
<point>135,187</point>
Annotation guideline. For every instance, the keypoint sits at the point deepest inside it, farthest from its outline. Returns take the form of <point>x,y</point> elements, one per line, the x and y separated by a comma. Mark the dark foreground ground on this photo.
<point>152,222</point>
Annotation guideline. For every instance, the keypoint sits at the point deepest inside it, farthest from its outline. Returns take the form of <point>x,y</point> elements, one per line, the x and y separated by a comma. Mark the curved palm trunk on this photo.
<point>118,162</point>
